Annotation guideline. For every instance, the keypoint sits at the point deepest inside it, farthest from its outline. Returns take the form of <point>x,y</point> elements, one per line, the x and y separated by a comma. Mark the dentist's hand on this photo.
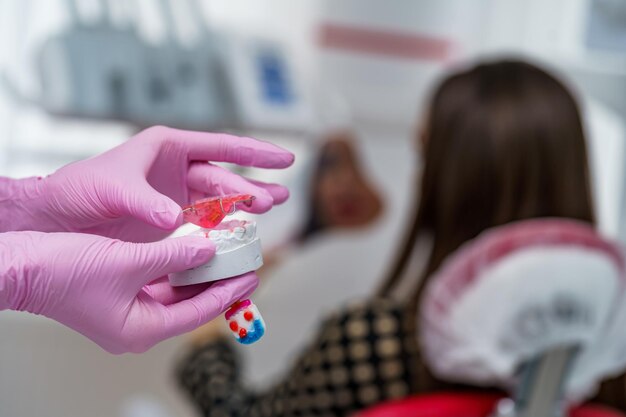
<point>112,292</point>
<point>134,191</point>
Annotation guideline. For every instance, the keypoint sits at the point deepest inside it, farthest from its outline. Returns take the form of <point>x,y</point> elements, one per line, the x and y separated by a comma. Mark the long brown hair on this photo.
<point>503,141</point>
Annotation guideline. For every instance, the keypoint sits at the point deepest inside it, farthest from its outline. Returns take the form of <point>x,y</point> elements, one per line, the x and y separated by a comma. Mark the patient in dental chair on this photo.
<point>501,142</point>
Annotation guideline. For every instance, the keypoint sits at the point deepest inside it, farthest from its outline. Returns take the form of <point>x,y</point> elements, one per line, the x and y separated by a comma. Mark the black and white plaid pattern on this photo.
<point>362,356</point>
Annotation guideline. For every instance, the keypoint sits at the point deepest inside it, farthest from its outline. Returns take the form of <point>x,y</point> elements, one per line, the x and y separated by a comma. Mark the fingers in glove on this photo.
<point>190,314</point>
<point>220,147</point>
<point>149,261</point>
<point>213,181</point>
<point>162,291</point>
<point>160,322</point>
<point>144,203</point>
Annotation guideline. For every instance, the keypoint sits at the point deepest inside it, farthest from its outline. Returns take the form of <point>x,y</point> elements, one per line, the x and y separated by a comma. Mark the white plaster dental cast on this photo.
<point>238,251</point>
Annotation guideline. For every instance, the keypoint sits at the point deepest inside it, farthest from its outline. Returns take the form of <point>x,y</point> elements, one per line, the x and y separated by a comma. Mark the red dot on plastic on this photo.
<point>242,332</point>
<point>234,326</point>
<point>248,315</point>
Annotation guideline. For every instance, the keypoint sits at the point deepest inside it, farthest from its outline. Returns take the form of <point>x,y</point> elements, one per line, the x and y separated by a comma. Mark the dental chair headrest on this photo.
<point>523,289</point>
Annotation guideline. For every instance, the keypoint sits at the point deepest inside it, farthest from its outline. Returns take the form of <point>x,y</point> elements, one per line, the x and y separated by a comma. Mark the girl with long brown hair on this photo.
<point>501,142</point>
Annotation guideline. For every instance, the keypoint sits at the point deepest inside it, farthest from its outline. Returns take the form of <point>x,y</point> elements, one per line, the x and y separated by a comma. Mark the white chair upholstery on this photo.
<point>520,291</point>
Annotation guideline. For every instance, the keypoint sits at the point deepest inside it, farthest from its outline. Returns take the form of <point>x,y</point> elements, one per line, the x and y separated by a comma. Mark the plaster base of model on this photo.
<point>238,252</point>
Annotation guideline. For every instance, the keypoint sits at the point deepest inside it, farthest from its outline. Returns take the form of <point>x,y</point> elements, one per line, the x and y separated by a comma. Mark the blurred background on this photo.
<point>342,83</point>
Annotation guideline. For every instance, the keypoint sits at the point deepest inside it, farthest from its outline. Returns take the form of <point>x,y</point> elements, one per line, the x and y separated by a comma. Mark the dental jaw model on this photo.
<point>238,251</point>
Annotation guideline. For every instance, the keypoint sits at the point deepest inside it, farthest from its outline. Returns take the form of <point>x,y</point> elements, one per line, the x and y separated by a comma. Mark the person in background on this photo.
<point>83,246</point>
<point>340,197</point>
<point>501,142</point>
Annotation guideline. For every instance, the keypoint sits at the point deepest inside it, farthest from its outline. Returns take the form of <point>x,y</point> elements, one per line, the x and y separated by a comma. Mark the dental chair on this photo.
<point>536,308</point>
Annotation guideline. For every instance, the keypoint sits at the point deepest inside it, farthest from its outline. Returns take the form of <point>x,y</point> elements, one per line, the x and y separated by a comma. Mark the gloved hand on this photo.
<point>112,292</point>
<point>134,191</point>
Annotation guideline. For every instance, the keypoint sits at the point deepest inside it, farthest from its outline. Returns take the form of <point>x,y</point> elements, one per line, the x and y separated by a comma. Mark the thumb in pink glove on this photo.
<point>112,292</point>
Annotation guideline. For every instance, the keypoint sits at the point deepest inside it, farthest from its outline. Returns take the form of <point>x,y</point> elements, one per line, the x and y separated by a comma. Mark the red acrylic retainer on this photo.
<point>209,212</point>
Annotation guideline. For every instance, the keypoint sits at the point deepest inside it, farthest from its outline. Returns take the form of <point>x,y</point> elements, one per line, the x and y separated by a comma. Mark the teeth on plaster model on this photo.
<point>229,235</point>
<point>237,251</point>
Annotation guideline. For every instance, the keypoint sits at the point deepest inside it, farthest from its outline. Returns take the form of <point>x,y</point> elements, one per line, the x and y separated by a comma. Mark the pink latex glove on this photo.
<point>98,286</point>
<point>134,191</point>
